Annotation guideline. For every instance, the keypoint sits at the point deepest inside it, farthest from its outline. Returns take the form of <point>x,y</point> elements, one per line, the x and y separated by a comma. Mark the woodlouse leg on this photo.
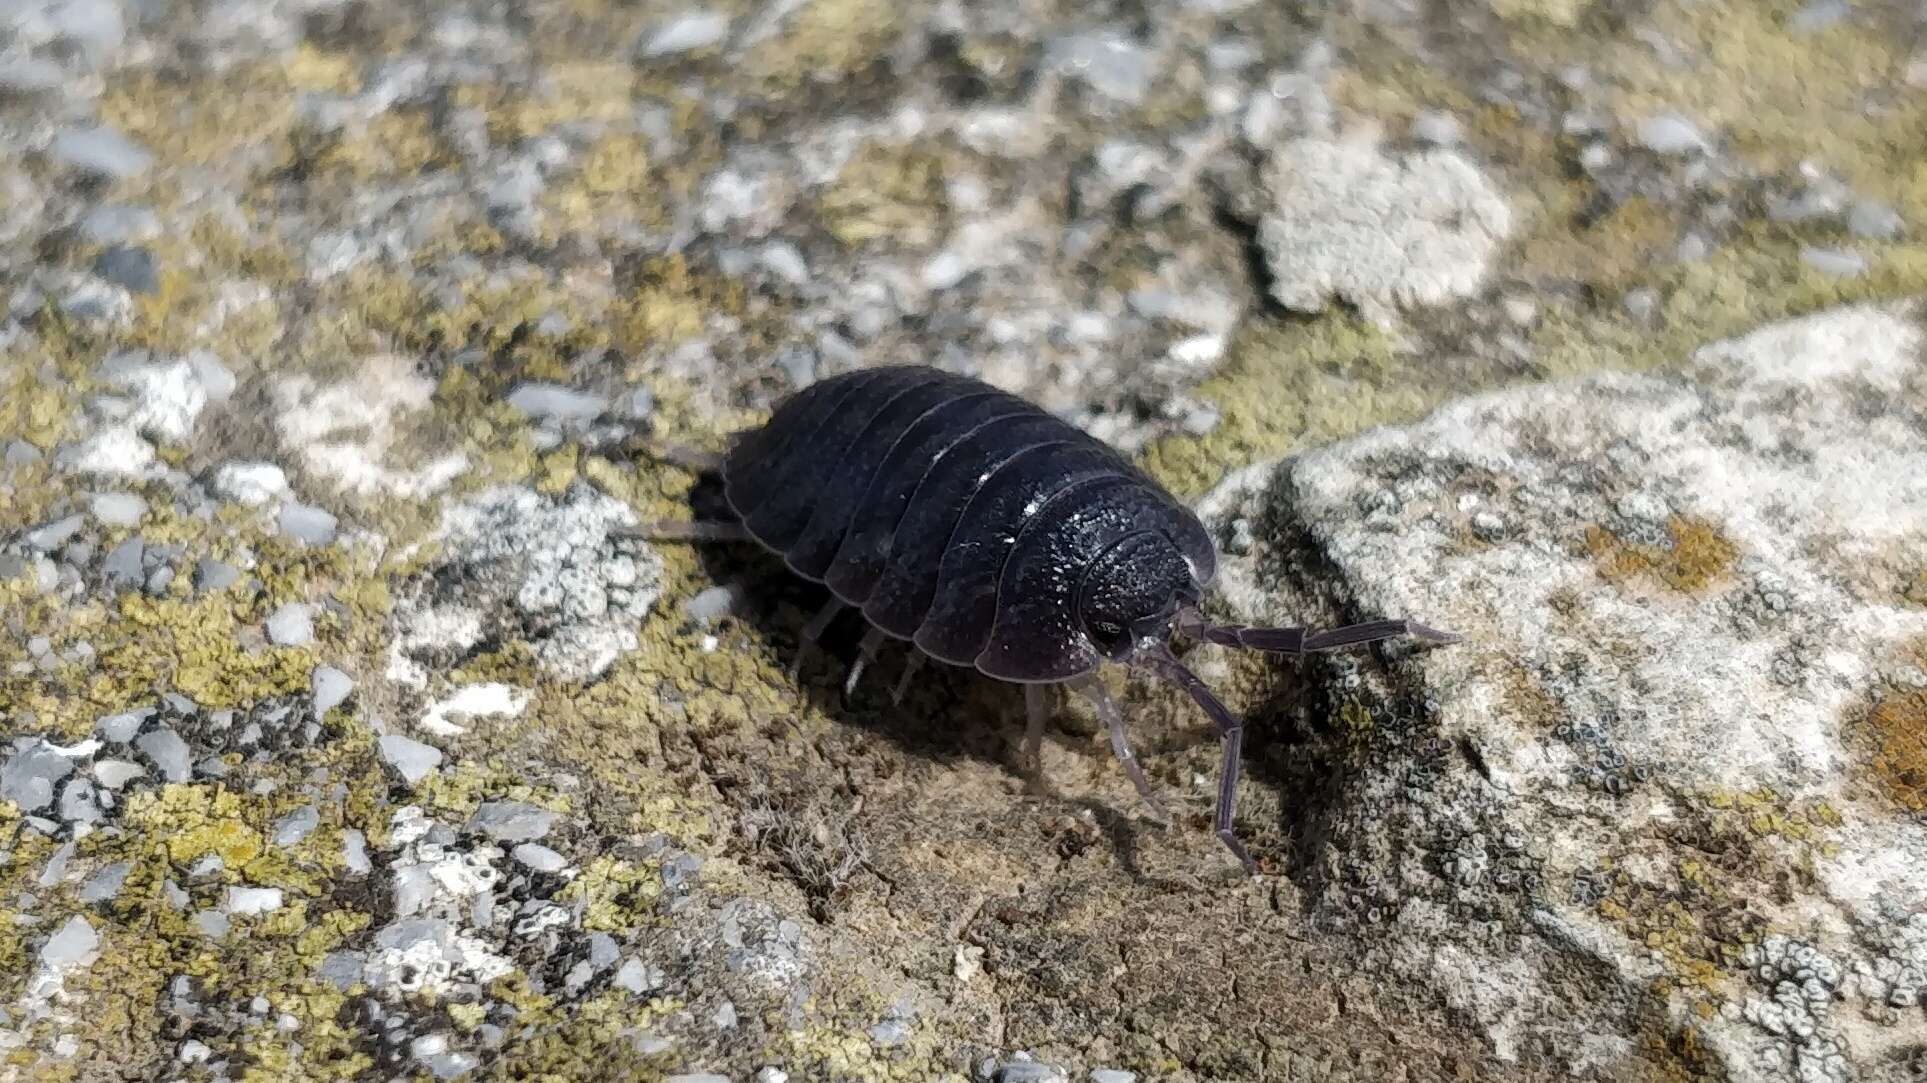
<point>812,632</point>
<point>866,651</point>
<point>685,530</point>
<point>1113,719</point>
<point>1036,713</point>
<point>1306,640</point>
<point>910,670</point>
<point>1231,733</point>
<point>689,458</point>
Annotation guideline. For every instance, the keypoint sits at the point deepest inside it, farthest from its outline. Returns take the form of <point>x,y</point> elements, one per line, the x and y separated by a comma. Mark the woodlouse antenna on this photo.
<point>1307,640</point>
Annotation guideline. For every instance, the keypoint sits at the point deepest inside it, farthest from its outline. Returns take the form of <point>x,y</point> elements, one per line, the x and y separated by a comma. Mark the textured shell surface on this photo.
<point>953,515</point>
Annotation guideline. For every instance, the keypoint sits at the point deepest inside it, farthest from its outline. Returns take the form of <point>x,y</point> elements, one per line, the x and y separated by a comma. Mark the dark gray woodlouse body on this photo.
<point>991,534</point>
<point>983,529</point>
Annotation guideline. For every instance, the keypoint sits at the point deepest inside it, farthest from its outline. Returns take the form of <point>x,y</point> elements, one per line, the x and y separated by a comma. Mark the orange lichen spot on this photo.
<point>1697,556</point>
<point>1897,727</point>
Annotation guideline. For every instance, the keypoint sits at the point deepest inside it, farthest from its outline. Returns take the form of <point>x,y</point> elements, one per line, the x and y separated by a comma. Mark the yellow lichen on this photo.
<point>887,193</point>
<point>827,39</point>
<point>1699,555</point>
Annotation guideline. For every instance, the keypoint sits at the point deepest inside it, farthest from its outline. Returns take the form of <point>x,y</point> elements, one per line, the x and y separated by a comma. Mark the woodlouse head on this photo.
<point>1132,593</point>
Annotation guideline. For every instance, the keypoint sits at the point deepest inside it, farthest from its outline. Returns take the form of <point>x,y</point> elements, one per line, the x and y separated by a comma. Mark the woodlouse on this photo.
<point>990,533</point>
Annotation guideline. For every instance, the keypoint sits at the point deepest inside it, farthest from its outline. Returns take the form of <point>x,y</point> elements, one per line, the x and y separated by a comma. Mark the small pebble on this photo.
<point>122,566</point>
<point>211,574</point>
<point>1875,221</point>
<point>29,776</point>
<point>213,924</point>
<point>410,758</point>
<point>538,858</point>
<point>115,774</point>
<point>73,945</point>
<point>129,267</point>
<point>1834,261</point>
<point>1112,1075</point>
<point>634,976</point>
<point>55,534</point>
<point>1671,133</point>
<point>124,725</point>
<point>354,851</point>
<point>118,509</point>
<point>101,153</point>
<point>167,752</point>
<point>253,900</point>
<point>511,821</point>
<point>289,830</point>
<point>330,688</point>
<point>687,32</point>
<point>553,402</point>
<point>253,484</point>
<point>292,625</point>
<point>1819,15</point>
<point>105,883</point>
<point>307,523</point>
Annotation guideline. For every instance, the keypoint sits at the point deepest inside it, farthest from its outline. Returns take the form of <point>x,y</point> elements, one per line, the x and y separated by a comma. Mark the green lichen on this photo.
<point>1291,383</point>
<point>888,193</point>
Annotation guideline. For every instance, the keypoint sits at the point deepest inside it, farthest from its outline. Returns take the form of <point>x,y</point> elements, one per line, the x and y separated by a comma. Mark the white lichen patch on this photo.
<point>552,573</point>
<point>347,432</point>
<point>1343,218</point>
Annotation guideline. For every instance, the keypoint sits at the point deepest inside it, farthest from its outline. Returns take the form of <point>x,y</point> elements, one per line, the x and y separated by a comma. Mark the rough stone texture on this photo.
<point>276,279</point>
<point>1681,739</point>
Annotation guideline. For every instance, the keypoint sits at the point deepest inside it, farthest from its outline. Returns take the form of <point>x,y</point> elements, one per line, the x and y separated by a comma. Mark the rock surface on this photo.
<point>347,731</point>
<point>1682,737</point>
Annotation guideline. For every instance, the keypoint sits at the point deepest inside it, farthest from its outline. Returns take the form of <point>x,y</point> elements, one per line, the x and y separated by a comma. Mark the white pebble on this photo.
<point>118,509</point>
<point>253,900</point>
<point>330,687</point>
<point>292,625</point>
<point>1671,133</point>
<point>410,758</point>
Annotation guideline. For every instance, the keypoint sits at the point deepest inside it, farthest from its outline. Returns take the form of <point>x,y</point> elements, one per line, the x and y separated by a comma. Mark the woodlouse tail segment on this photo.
<point>1231,734</point>
<point>1307,640</point>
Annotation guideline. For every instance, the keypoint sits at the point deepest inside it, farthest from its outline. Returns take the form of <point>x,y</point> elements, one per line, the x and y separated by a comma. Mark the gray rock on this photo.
<point>105,883</point>
<point>698,1077</point>
<point>1030,1071</point>
<point>1614,679</point>
<point>25,76</point>
<point>292,625</point>
<point>99,152</point>
<point>307,523</point>
<point>111,224</point>
<point>1111,64</point>
<point>553,402</point>
<point>410,758</point>
<point>29,776</point>
<point>1112,1075</point>
<point>122,566</point>
<point>122,727</point>
<point>687,32</point>
<point>212,923</point>
<point>115,774</point>
<point>211,574</point>
<point>1874,221</point>
<point>55,534</point>
<point>118,509</point>
<point>129,266</point>
<point>78,803</point>
<point>330,688</point>
<point>538,858</point>
<point>1671,134</point>
<point>634,975</point>
<point>341,969</point>
<point>250,901</point>
<point>512,821</point>
<point>290,829</point>
<point>354,851</point>
<point>1834,261</point>
<point>72,945</point>
<point>167,752</point>
<point>252,483</point>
